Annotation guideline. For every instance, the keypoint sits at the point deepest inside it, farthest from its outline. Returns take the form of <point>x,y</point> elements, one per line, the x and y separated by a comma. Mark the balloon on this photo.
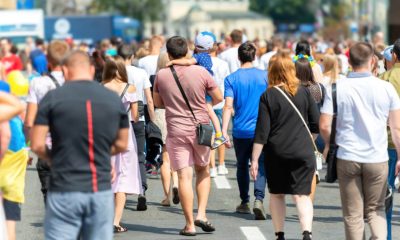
<point>4,86</point>
<point>18,83</point>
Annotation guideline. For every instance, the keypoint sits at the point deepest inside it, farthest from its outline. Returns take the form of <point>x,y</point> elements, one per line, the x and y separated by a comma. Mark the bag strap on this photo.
<point>54,80</point>
<point>333,127</point>
<point>301,117</point>
<point>123,94</point>
<point>181,90</point>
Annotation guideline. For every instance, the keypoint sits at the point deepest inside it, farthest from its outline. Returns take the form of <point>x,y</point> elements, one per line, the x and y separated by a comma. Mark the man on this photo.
<point>38,58</point>
<point>220,69</point>
<point>392,64</point>
<point>243,90</point>
<point>276,45</point>
<point>365,105</point>
<point>182,146</point>
<point>149,63</point>
<point>231,55</point>
<point>88,123</point>
<point>9,61</point>
<point>39,87</point>
<point>140,79</point>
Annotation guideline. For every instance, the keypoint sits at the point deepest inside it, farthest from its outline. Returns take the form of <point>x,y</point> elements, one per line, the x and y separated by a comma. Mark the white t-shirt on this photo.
<point>40,86</point>
<point>140,79</point>
<point>231,57</point>
<point>264,60</point>
<point>345,63</point>
<point>220,69</point>
<point>149,64</point>
<point>364,103</point>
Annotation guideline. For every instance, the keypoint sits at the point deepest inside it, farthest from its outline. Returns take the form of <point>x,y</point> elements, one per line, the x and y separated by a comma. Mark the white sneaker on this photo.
<point>213,172</point>
<point>222,170</point>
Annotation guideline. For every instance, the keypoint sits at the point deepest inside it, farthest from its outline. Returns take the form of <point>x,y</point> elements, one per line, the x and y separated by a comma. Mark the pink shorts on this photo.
<point>185,152</point>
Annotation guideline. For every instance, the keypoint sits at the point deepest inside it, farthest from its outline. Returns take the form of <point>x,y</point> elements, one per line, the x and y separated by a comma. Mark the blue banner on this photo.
<point>25,4</point>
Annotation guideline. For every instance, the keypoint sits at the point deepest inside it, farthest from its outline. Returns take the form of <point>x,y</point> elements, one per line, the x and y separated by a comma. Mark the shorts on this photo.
<point>185,152</point>
<point>12,210</point>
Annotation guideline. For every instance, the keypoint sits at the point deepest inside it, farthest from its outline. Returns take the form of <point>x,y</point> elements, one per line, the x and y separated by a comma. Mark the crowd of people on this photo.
<point>103,119</point>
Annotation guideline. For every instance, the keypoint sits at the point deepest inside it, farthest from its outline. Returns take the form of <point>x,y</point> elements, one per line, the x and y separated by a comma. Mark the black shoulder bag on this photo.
<point>204,131</point>
<point>331,160</point>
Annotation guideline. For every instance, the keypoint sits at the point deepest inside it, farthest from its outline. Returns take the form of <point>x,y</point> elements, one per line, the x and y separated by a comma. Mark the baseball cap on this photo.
<point>387,53</point>
<point>205,40</point>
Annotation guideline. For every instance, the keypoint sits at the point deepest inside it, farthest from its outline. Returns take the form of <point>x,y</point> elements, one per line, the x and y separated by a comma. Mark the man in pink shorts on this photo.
<point>182,146</point>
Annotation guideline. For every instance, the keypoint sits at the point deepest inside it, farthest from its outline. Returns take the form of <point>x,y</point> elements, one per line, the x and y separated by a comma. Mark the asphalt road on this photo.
<point>159,222</point>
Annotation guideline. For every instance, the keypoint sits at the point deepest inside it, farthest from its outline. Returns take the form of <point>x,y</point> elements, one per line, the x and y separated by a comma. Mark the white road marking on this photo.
<point>222,182</point>
<point>252,233</point>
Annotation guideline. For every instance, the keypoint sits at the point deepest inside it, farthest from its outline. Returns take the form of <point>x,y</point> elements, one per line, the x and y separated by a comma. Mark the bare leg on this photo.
<point>174,179</point>
<point>166,174</point>
<point>120,199</point>
<point>305,209</point>
<point>221,155</point>
<point>203,186</point>
<point>11,230</point>
<point>277,207</point>
<point>313,187</point>
<point>185,178</point>
<point>212,159</point>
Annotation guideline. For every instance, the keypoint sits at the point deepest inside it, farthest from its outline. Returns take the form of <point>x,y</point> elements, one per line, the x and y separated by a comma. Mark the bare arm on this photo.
<point>10,106</point>
<point>135,112</point>
<point>150,104</point>
<point>158,103</point>
<point>121,142</point>
<point>30,116</point>
<point>255,156</point>
<point>183,62</point>
<point>226,118</point>
<point>38,141</point>
<point>216,96</point>
<point>5,136</point>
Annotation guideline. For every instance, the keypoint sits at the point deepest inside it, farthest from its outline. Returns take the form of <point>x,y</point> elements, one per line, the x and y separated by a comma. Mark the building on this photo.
<point>188,17</point>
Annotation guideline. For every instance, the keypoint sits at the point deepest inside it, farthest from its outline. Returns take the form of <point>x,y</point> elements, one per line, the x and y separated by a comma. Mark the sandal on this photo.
<point>120,229</point>
<point>206,226</point>
<point>185,232</point>
<point>175,194</point>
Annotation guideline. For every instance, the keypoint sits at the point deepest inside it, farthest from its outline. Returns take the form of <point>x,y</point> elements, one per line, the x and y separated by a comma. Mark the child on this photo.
<point>204,42</point>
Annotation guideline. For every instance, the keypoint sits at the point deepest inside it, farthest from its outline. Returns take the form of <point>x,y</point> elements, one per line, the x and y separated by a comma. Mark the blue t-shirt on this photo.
<point>17,141</point>
<point>204,59</point>
<point>245,86</point>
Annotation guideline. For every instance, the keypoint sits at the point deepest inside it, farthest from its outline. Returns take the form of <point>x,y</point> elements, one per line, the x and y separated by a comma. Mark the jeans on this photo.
<point>43,170</point>
<point>391,179</point>
<point>243,151</point>
<point>88,214</point>
<point>140,134</point>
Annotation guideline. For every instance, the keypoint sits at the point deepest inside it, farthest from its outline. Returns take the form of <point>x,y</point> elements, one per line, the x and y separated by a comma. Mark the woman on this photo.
<point>331,68</point>
<point>166,171</point>
<point>126,164</point>
<point>304,48</point>
<point>289,158</point>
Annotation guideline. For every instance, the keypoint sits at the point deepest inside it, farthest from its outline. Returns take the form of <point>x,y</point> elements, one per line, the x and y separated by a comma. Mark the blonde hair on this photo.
<point>331,67</point>
<point>162,61</point>
<point>282,71</point>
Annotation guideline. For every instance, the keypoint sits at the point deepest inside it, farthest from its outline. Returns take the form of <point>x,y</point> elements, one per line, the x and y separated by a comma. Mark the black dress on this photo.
<point>289,153</point>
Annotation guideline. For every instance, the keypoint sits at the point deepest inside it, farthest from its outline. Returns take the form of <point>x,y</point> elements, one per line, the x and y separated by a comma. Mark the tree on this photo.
<point>148,10</point>
<point>286,11</point>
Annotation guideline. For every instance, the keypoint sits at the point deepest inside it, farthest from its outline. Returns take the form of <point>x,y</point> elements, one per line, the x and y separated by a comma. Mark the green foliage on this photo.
<point>139,9</point>
<point>285,11</point>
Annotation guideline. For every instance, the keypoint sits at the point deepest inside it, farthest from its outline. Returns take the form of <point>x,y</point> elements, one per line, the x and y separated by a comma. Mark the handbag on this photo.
<point>319,158</point>
<point>204,132</point>
<point>331,160</point>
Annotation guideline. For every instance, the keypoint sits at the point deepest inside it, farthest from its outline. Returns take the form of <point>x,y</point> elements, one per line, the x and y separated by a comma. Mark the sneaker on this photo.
<point>213,172</point>
<point>222,170</point>
<point>258,210</point>
<point>142,203</point>
<point>243,208</point>
<point>153,172</point>
<point>218,142</point>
